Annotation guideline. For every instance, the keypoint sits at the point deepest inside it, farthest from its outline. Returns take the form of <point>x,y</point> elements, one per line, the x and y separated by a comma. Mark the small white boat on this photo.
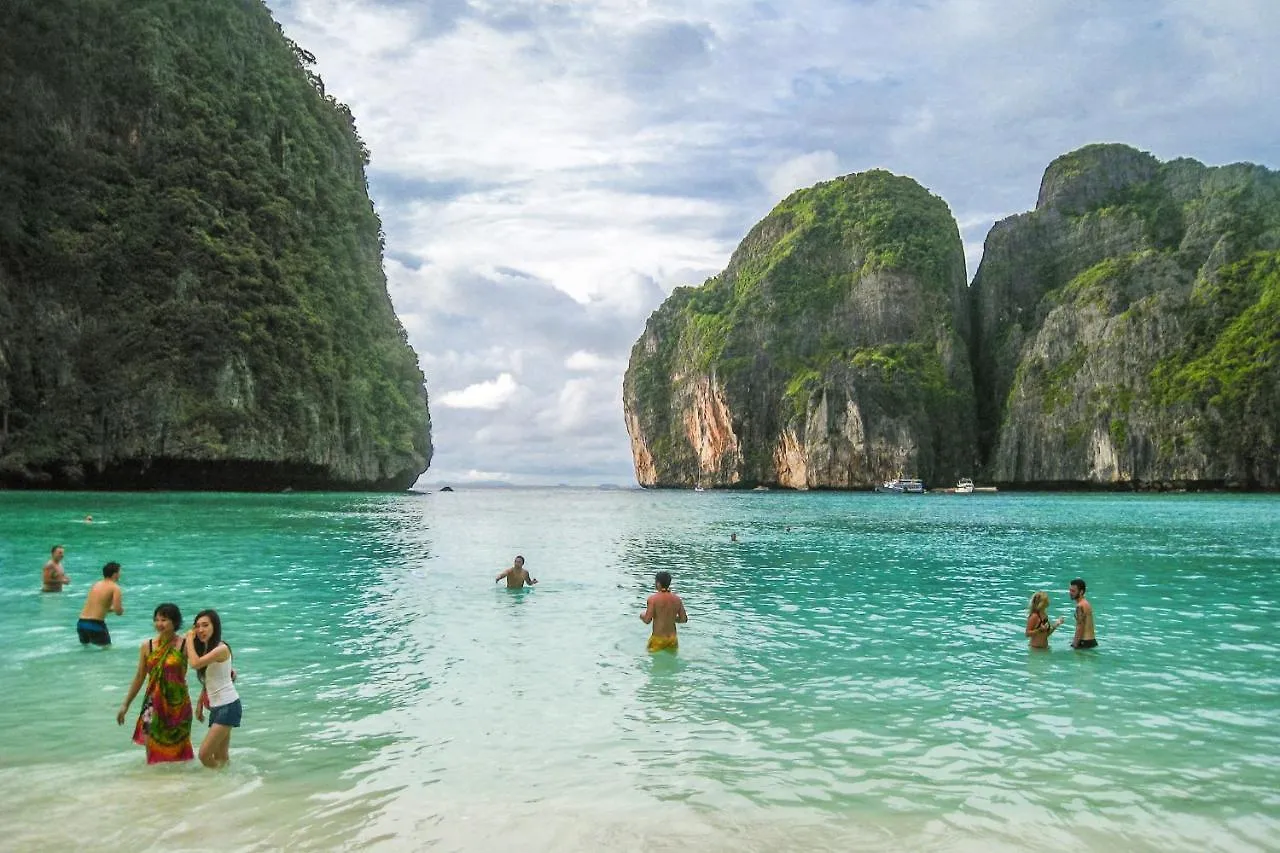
<point>699,489</point>
<point>964,486</point>
<point>902,486</point>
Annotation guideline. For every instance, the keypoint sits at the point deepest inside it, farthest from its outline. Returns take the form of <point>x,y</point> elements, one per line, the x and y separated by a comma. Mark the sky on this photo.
<point>547,172</point>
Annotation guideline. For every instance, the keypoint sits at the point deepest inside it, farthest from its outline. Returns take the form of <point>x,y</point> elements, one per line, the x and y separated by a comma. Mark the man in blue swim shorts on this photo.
<point>103,596</point>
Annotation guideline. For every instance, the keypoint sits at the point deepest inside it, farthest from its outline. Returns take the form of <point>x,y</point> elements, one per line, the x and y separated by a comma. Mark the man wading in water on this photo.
<point>664,609</point>
<point>1083,638</point>
<point>517,576</point>
<point>103,596</point>
<point>53,578</point>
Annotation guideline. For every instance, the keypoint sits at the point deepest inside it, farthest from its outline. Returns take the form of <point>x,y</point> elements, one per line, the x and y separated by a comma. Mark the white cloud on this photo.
<point>589,362</point>
<point>548,171</point>
<point>488,396</point>
<point>476,476</point>
<point>802,171</point>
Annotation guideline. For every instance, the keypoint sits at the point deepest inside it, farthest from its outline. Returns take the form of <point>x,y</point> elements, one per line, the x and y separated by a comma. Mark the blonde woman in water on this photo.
<point>1038,625</point>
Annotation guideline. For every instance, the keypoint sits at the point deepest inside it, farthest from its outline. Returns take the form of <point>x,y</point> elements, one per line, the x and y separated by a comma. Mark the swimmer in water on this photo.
<point>1084,637</point>
<point>517,576</point>
<point>1038,625</point>
<point>52,577</point>
<point>663,610</point>
<point>103,596</point>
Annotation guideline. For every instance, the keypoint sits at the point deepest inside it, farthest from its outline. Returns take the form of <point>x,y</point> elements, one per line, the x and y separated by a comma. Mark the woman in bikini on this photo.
<point>1038,625</point>
<point>212,659</point>
<point>164,724</point>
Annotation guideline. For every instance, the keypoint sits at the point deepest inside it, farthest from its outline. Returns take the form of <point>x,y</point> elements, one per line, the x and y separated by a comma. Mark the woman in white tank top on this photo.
<point>211,659</point>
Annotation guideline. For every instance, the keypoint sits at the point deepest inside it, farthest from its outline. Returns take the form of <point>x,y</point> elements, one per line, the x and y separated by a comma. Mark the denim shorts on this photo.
<point>225,715</point>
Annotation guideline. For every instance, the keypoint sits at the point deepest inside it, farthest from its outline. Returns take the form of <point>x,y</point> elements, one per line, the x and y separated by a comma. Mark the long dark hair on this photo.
<point>202,648</point>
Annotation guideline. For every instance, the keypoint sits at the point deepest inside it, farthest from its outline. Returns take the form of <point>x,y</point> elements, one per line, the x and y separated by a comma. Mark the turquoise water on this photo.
<point>856,682</point>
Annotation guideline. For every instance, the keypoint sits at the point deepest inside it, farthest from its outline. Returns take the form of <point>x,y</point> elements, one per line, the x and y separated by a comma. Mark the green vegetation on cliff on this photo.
<point>1125,333</point>
<point>190,266</point>
<point>851,290</point>
<point>1228,371</point>
<point>1137,305</point>
<point>803,261</point>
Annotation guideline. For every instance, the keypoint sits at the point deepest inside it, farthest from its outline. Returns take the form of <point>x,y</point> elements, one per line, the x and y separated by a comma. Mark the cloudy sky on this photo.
<point>547,172</point>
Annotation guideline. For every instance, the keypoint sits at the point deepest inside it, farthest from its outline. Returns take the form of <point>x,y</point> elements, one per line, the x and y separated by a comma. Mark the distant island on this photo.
<point>191,283</point>
<point>1125,334</point>
<point>503,484</point>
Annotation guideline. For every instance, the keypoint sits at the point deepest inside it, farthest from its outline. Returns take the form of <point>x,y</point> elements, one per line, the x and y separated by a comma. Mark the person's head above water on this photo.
<point>519,561</point>
<point>1076,588</point>
<point>111,571</point>
<point>663,580</point>
<point>1040,602</point>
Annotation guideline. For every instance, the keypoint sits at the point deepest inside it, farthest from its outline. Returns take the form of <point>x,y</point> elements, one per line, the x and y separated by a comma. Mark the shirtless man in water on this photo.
<point>663,610</point>
<point>517,576</point>
<point>103,596</point>
<point>53,578</point>
<point>1084,638</point>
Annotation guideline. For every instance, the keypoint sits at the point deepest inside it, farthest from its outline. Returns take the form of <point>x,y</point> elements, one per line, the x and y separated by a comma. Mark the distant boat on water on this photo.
<point>901,486</point>
<point>965,486</point>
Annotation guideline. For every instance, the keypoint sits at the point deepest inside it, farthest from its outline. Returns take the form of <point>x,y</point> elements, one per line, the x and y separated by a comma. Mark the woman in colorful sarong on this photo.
<point>164,724</point>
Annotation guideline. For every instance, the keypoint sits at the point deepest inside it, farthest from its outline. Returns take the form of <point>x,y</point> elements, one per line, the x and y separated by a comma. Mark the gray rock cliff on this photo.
<point>831,352</point>
<point>1125,331</point>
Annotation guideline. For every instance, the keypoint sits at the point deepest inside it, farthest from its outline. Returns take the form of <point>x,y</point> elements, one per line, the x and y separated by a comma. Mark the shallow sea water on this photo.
<point>853,676</point>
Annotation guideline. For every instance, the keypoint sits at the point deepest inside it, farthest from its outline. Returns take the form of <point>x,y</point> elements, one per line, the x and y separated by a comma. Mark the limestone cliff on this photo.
<point>832,352</point>
<point>1127,331</point>
<point>191,285</point>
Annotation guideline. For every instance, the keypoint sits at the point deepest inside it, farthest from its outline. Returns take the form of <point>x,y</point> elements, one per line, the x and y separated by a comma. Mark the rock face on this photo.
<point>191,285</point>
<point>832,352</point>
<point>1127,331</point>
<point>1124,334</point>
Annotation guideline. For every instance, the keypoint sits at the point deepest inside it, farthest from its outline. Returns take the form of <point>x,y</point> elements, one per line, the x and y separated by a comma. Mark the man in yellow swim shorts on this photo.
<point>663,610</point>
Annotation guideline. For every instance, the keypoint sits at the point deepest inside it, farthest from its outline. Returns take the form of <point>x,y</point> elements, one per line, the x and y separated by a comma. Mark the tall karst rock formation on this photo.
<point>832,352</point>
<point>1127,331</point>
<point>191,285</point>
<point>1124,334</point>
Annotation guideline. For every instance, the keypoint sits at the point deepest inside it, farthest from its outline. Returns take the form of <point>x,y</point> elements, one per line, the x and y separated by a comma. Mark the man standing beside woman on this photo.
<point>1039,627</point>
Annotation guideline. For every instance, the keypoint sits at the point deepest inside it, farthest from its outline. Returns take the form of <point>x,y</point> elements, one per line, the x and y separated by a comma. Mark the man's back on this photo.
<point>101,597</point>
<point>666,609</point>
